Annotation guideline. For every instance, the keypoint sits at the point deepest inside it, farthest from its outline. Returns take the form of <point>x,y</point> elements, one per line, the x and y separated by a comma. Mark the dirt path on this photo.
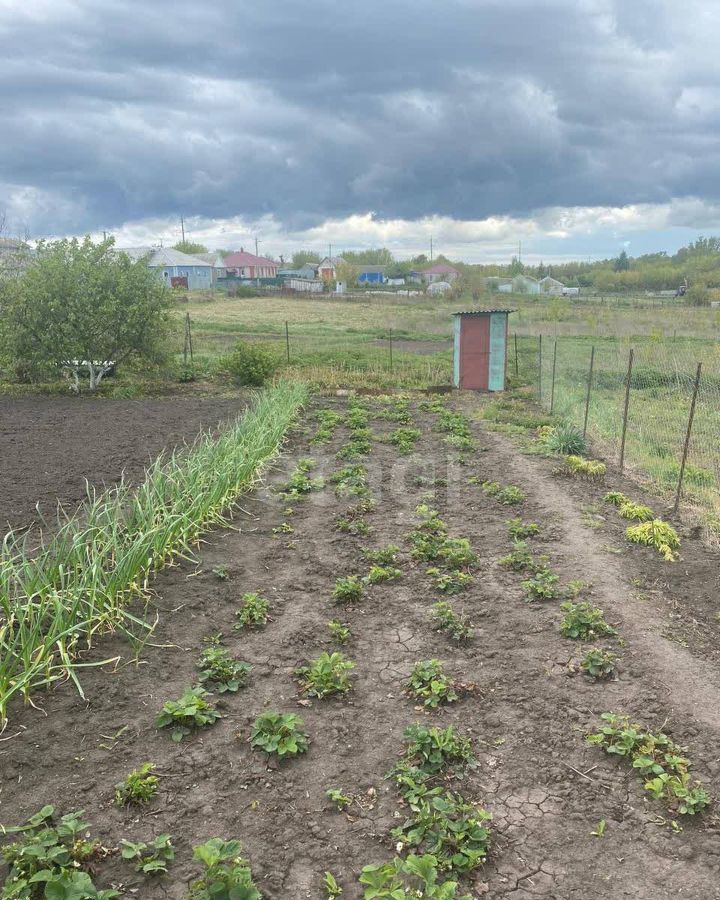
<point>528,718</point>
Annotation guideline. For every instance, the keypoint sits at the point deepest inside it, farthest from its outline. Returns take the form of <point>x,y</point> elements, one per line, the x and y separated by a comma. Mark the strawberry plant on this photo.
<point>227,874</point>
<point>542,586</point>
<point>325,676</point>
<point>436,750</point>
<point>336,796</point>
<point>405,439</point>
<point>283,528</point>
<point>657,534</point>
<point>253,612</point>
<point>454,831</point>
<point>583,622</point>
<point>413,878</point>
<point>348,589</point>
<point>51,859</point>
<point>328,420</point>
<point>385,556</point>
<point>279,733</point>
<point>299,484</point>
<point>339,631</point>
<point>657,759</point>
<point>508,495</point>
<point>449,582</point>
<point>520,559</point>
<point>152,858</point>
<point>332,888</point>
<point>429,684</point>
<point>355,527</point>
<point>458,627</point>
<point>356,448</point>
<point>351,481</point>
<point>379,574</point>
<point>187,714</point>
<point>520,530</point>
<point>138,788</point>
<point>456,553</point>
<point>598,663</point>
<point>219,671</point>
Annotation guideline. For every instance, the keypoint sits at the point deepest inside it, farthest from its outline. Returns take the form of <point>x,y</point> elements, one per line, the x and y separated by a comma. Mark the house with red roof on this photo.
<point>440,272</point>
<point>246,265</point>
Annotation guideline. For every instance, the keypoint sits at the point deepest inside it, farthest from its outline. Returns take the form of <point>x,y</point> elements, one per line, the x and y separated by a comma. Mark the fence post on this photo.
<point>552,389</point>
<point>517,371</point>
<point>687,437</point>
<point>540,369</point>
<point>587,399</point>
<point>391,359</point>
<point>627,408</point>
<point>287,341</point>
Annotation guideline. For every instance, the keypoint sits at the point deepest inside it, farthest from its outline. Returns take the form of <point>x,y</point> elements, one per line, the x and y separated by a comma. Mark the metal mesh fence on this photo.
<point>342,358</point>
<point>589,382</point>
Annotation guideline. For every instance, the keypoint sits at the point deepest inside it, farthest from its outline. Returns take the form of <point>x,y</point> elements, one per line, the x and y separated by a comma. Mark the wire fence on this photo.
<point>341,358</point>
<point>653,405</point>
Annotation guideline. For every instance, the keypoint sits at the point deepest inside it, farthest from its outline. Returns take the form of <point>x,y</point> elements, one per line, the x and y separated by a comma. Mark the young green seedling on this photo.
<point>187,714</point>
<point>152,858</point>
<point>253,612</point>
<point>138,788</point>
<point>280,734</point>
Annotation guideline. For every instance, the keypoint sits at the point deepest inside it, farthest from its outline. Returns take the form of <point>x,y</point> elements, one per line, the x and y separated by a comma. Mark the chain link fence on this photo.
<point>653,405</point>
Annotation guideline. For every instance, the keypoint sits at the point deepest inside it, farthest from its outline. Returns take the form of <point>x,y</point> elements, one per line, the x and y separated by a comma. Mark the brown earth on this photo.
<point>546,789</point>
<point>50,445</point>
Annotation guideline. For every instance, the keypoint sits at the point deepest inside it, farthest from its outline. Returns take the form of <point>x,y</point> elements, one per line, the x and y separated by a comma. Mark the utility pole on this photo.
<point>182,226</point>
<point>256,246</point>
<point>519,251</point>
<point>431,248</point>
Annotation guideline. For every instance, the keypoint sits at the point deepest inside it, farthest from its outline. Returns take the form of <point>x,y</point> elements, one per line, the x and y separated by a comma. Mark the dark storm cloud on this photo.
<point>308,109</point>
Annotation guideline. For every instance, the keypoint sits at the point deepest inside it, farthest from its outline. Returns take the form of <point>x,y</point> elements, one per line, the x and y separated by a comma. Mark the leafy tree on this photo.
<point>83,306</point>
<point>300,257</point>
<point>516,266</point>
<point>622,263</point>
<point>190,247</point>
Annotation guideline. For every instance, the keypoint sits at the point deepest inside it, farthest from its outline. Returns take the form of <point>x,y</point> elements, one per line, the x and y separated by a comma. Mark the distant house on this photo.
<point>550,285</point>
<point>177,269</point>
<point>439,287</point>
<point>327,269</point>
<point>246,265</point>
<point>440,272</point>
<point>302,280</point>
<point>372,275</point>
<point>219,269</point>
<point>395,278</point>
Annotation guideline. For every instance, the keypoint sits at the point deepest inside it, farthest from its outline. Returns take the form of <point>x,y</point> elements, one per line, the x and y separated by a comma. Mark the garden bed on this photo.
<point>523,703</point>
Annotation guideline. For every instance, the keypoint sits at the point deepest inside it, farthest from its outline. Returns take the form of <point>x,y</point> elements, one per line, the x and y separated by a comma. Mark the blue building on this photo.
<point>177,269</point>
<point>372,275</point>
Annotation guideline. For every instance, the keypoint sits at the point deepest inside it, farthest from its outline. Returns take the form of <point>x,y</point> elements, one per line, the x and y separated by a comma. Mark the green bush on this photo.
<point>252,364</point>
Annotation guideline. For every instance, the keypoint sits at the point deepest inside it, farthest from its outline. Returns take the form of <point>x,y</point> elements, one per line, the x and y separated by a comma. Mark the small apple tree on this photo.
<point>83,306</point>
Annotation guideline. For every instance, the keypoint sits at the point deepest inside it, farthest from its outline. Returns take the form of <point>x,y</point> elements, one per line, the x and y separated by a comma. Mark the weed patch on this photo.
<point>657,534</point>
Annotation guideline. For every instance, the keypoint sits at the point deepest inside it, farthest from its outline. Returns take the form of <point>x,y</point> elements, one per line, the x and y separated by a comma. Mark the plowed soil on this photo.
<point>545,788</point>
<point>50,445</point>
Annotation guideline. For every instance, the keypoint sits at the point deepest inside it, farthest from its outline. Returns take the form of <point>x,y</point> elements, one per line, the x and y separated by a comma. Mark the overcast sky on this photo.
<point>577,126</point>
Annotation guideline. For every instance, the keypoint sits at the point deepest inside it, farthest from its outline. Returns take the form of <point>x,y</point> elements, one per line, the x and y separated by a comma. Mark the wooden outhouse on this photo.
<point>480,359</point>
